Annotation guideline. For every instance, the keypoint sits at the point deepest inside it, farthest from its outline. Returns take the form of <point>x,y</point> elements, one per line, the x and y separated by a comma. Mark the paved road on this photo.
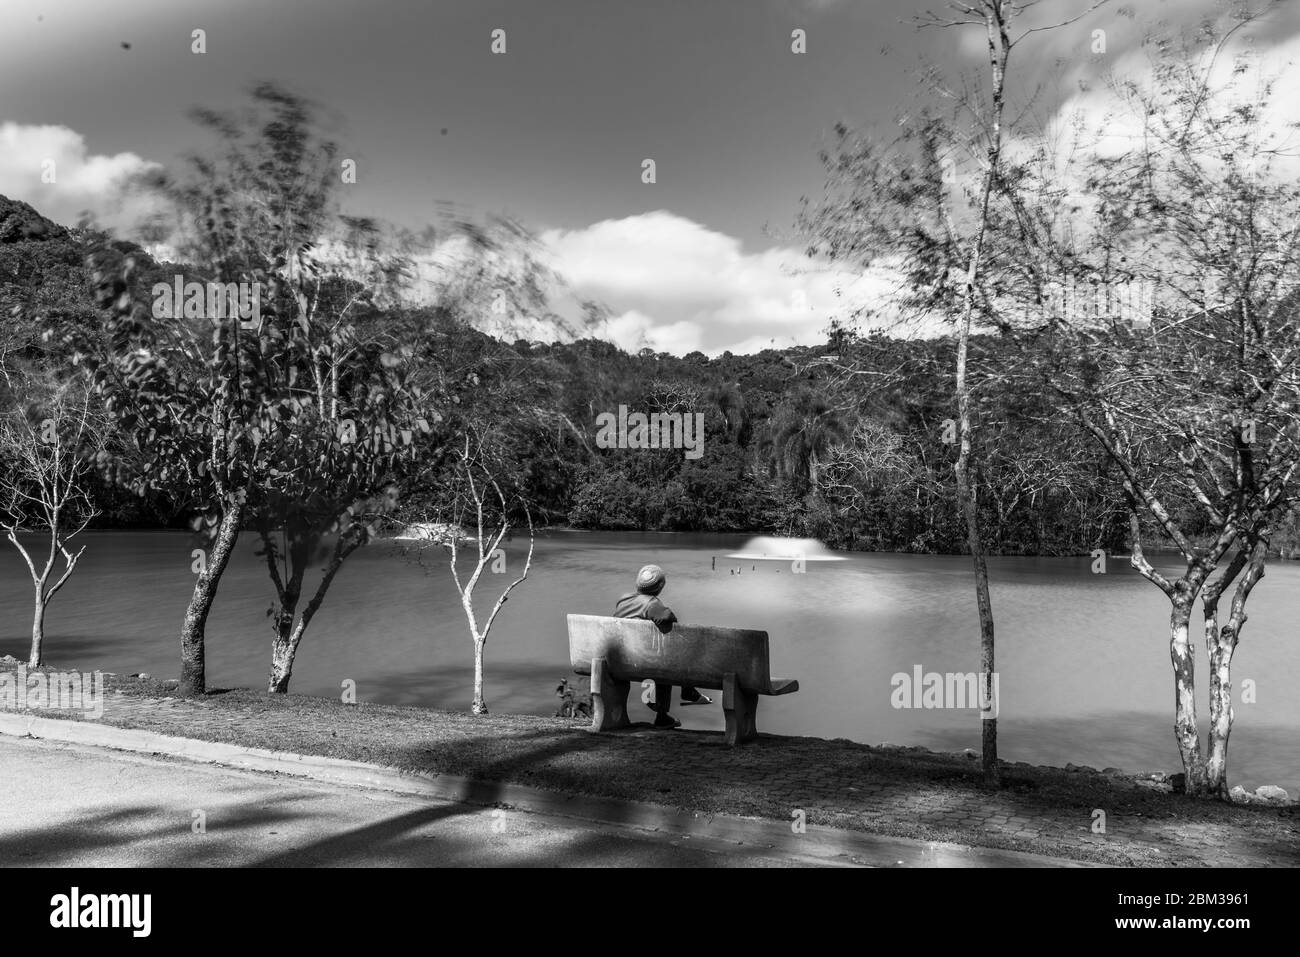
<point>71,805</point>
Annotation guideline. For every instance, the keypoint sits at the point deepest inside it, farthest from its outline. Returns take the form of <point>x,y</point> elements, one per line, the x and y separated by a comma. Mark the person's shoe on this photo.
<point>666,721</point>
<point>698,699</point>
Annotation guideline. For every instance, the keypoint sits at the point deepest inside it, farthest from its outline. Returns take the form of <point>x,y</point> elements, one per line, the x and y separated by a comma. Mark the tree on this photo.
<point>1197,400</point>
<point>351,412</point>
<point>330,485</point>
<point>472,497</point>
<point>50,435</point>
<point>197,389</point>
<point>293,419</point>
<point>336,476</point>
<point>906,204</point>
<point>187,400</point>
<point>726,401</point>
<point>803,431</point>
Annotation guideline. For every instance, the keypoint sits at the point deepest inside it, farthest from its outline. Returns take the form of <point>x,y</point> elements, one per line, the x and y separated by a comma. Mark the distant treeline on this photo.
<point>850,442</point>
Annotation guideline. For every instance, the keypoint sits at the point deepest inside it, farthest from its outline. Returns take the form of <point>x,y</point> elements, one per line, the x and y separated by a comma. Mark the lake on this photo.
<point>1083,659</point>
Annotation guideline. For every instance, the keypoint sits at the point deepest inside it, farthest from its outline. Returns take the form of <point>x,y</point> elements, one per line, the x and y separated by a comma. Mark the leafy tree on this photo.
<point>804,430</point>
<point>338,409</point>
<point>203,401</point>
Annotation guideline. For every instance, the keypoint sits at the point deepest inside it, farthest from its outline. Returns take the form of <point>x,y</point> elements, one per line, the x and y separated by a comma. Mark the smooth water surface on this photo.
<point>1083,659</point>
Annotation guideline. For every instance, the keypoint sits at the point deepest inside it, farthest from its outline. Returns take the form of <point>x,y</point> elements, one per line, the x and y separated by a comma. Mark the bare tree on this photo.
<point>1197,403</point>
<point>49,437</point>
<point>477,515</point>
<point>873,457</point>
<point>901,206</point>
<point>995,17</point>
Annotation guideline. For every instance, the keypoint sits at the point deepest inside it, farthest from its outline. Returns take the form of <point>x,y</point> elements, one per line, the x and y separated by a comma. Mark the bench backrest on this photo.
<point>699,655</point>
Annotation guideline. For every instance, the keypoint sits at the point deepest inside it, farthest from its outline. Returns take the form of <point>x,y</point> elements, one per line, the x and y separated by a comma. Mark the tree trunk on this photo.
<point>1221,716</point>
<point>969,504</point>
<point>289,592</point>
<point>38,629</point>
<point>283,650</point>
<point>1184,661</point>
<point>289,634</point>
<point>1221,643</point>
<point>480,704</point>
<point>334,386</point>
<point>970,511</point>
<point>999,50</point>
<point>193,662</point>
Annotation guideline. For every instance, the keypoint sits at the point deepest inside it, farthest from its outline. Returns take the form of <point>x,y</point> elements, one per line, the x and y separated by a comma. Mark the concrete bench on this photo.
<point>619,651</point>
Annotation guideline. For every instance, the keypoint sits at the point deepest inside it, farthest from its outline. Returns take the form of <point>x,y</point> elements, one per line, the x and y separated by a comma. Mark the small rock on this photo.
<point>1239,795</point>
<point>9,659</point>
<point>144,676</point>
<point>971,753</point>
<point>1272,794</point>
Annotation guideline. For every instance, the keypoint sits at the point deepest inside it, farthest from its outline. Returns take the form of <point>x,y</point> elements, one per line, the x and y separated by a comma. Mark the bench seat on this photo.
<point>618,651</point>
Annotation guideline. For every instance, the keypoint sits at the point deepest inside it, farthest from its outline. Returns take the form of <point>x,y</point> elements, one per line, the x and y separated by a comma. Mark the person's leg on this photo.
<point>663,697</point>
<point>663,701</point>
<point>692,695</point>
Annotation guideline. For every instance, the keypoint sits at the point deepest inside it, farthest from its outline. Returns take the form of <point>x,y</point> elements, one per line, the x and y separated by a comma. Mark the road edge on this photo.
<point>817,844</point>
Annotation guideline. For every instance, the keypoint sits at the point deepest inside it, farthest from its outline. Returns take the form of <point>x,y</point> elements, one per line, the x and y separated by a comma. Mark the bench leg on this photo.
<point>608,699</point>
<point>740,707</point>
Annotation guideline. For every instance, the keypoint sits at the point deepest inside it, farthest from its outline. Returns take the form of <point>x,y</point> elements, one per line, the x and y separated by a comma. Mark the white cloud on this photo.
<point>83,181</point>
<point>677,286</point>
<point>1103,120</point>
<point>634,330</point>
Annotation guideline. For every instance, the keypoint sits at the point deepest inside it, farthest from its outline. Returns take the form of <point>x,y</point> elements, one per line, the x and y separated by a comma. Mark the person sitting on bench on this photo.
<point>645,603</point>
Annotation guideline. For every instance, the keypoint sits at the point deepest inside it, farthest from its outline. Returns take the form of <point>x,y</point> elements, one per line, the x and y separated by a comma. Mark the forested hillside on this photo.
<point>851,442</point>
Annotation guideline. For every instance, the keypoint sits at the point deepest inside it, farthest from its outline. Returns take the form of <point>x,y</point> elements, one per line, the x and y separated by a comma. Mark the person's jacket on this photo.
<point>637,605</point>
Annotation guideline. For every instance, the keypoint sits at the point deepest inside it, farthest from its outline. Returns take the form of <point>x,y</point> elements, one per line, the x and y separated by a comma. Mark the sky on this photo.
<point>554,130</point>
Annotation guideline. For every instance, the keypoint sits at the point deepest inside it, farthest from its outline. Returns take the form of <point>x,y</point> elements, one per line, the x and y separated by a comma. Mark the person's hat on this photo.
<point>650,580</point>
